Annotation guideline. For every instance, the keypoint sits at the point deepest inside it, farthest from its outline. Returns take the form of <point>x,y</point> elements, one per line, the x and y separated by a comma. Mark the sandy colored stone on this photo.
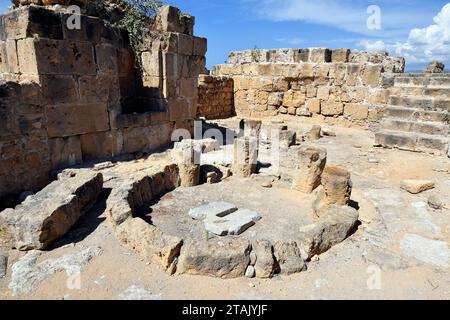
<point>265,266</point>
<point>222,258</point>
<point>337,189</point>
<point>49,214</point>
<point>337,224</point>
<point>310,165</point>
<point>149,242</point>
<point>417,186</point>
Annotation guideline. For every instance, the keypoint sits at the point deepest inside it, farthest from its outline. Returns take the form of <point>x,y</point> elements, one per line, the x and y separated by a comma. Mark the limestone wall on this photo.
<point>68,96</point>
<point>215,97</point>
<point>310,82</point>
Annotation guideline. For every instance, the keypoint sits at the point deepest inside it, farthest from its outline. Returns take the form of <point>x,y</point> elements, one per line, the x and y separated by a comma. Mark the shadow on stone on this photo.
<point>86,225</point>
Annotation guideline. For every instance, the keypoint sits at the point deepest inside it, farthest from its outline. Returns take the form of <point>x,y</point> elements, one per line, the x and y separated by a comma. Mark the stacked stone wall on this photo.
<point>70,96</point>
<point>310,82</point>
<point>215,97</point>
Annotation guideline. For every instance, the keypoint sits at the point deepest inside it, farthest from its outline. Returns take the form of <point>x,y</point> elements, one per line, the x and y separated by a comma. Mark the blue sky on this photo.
<point>246,24</point>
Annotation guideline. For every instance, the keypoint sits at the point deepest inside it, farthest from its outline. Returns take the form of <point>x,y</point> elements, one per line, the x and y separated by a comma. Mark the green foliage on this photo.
<point>136,20</point>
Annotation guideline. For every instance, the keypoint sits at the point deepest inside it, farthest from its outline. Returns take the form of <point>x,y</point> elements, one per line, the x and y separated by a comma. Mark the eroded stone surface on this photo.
<point>49,214</point>
<point>337,223</point>
<point>289,258</point>
<point>426,250</point>
<point>223,258</point>
<point>149,242</point>
<point>311,162</point>
<point>214,209</point>
<point>28,273</point>
<point>417,186</point>
<point>265,265</point>
<point>231,224</point>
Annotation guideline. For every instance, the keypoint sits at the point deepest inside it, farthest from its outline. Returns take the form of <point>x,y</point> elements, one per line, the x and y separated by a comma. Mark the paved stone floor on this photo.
<point>400,251</point>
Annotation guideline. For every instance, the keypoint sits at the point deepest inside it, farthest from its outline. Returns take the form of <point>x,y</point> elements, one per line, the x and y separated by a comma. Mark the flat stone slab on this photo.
<point>232,224</point>
<point>426,250</point>
<point>49,214</point>
<point>212,209</point>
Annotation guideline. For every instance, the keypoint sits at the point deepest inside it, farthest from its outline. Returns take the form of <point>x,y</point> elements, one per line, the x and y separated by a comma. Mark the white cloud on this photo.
<point>376,45</point>
<point>290,41</point>
<point>430,43</point>
<point>348,15</point>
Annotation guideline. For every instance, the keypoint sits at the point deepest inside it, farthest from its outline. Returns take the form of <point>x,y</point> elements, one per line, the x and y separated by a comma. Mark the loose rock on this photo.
<point>435,202</point>
<point>417,186</point>
<point>250,272</point>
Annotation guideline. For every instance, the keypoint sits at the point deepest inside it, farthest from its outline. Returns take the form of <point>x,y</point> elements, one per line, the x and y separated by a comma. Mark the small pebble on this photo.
<point>435,202</point>
<point>250,272</point>
<point>266,185</point>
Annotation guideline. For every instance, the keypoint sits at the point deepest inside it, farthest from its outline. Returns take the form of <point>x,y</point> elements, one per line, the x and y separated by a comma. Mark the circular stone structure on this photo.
<point>149,214</point>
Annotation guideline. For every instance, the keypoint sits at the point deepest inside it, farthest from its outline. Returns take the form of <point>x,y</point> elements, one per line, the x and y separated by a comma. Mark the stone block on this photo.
<point>356,111</point>
<point>215,209</point>
<point>49,214</point>
<point>150,243</point>
<point>331,108</point>
<point>313,106</point>
<point>337,189</point>
<point>311,162</point>
<point>46,56</point>
<point>289,258</point>
<point>65,152</point>
<point>101,88</point>
<point>59,89</point>
<point>101,145</point>
<point>371,75</point>
<point>234,223</point>
<point>171,19</point>
<point>265,265</point>
<point>222,258</point>
<point>106,58</point>
<point>294,99</point>
<point>151,63</point>
<point>323,93</point>
<point>185,44</point>
<point>27,57</point>
<point>340,55</point>
<point>320,55</point>
<point>70,119</point>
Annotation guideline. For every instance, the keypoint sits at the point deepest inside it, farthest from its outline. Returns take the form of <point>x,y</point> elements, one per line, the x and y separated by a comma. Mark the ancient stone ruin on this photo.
<point>231,173</point>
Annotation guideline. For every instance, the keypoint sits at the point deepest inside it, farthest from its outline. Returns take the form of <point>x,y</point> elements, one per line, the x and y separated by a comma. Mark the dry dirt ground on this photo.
<point>400,250</point>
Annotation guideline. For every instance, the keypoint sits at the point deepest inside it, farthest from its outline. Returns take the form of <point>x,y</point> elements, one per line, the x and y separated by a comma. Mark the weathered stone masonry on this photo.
<point>68,96</point>
<point>308,82</point>
<point>215,97</point>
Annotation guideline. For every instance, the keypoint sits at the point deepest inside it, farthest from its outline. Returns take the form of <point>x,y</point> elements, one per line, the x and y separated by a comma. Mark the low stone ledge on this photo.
<point>46,216</point>
<point>149,242</point>
<point>222,258</point>
<point>337,223</point>
<point>219,257</point>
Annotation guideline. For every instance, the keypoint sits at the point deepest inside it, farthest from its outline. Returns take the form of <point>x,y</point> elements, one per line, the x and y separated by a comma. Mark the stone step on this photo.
<point>421,91</point>
<point>427,127</point>
<point>424,81</point>
<point>416,114</point>
<point>426,103</point>
<point>411,141</point>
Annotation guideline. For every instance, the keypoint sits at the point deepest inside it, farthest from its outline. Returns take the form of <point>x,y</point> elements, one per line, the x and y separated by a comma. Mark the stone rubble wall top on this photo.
<point>317,55</point>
